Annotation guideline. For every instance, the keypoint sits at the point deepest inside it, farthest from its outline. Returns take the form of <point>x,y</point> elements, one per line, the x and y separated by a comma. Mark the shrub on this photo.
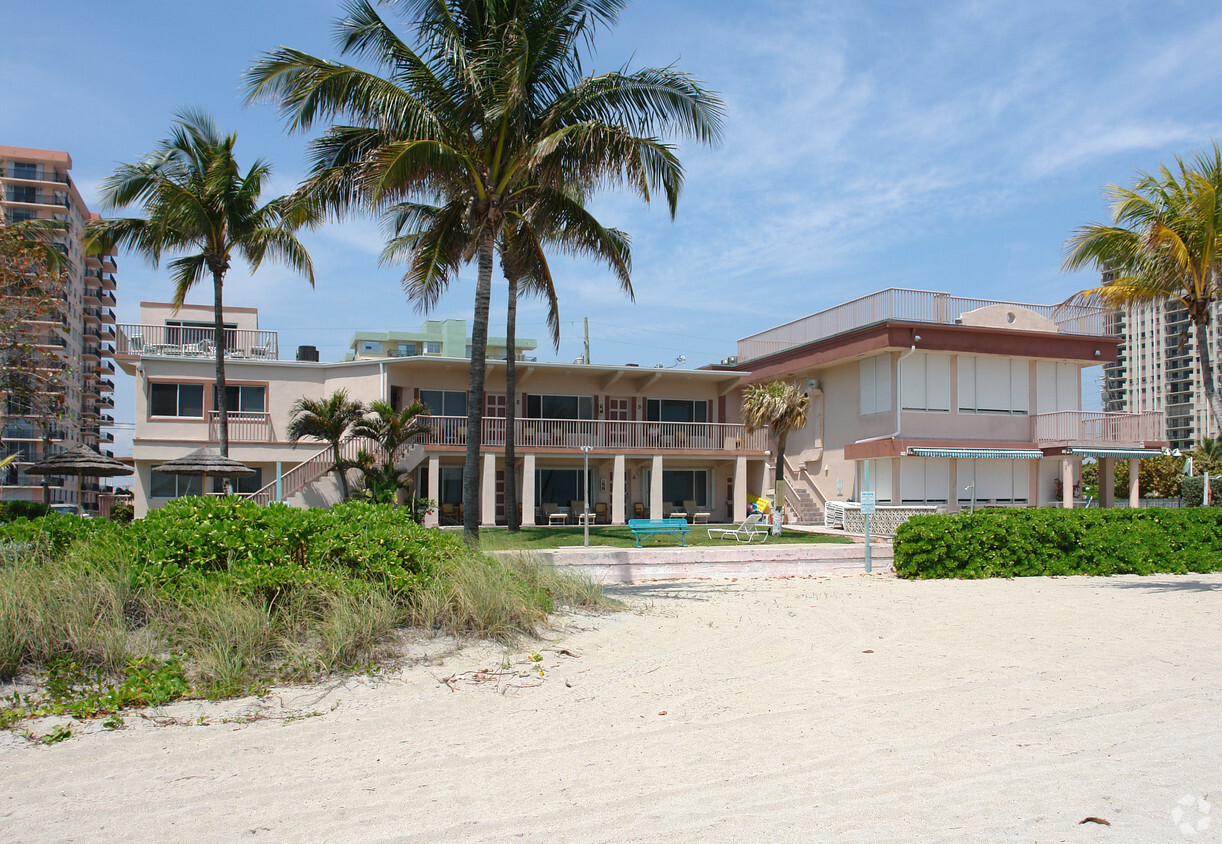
<point>13,510</point>
<point>123,513</point>
<point>1192,491</point>
<point>1054,541</point>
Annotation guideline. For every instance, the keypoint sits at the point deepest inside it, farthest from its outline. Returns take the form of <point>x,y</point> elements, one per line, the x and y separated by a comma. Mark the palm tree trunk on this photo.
<point>475,392</point>
<point>1207,376</point>
<point>779,515</point>
<point>511,378</point>
<point>340,470</point>
<point>222,400</point>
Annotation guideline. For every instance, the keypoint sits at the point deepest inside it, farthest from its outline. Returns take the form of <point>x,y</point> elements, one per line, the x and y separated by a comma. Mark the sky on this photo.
<point>948,145</point>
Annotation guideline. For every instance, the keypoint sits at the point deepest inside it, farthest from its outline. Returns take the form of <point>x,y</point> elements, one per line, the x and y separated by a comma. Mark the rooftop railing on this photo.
<point>183,341</point>
<point>897,303</point>
<point>1091,427</point>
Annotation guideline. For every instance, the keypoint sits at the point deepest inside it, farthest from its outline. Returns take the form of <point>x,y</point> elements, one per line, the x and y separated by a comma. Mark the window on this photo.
<point>175,486</point>
<point>562,486</point>
<point>559,407</point>
<point>432,348</point>
<point>875,377</point>
<point>240,486</point>
<point>879,481</point>
<point>25,170</point>
<point>676,410</point>
<point>406,350</point>
<point>993,480</point>
<point>679,485</point>
<point>450,485</point>
<point>18,215</point>
<point>182,400</point>
<point>993,385</point>
<point>244,398</point>
<point>370,347</point>
<point>22,193</point>
<point>925,382</point>
<point>924,480</point>
<point>444,402</point>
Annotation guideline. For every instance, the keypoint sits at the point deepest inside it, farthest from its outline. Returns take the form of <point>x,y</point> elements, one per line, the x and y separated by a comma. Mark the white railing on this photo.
<point>1098,428</point>
<point>244,427</point>
<point>184,341</point>
<point>897,303</point>
<point>600,434</point>
<point>309,470</point>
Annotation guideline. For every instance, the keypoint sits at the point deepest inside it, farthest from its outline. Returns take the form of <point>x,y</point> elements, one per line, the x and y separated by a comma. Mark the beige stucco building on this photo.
<point>926,399</point>
<point>36,184</point>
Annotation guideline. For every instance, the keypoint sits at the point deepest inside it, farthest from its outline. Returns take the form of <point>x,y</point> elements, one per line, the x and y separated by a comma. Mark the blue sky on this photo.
<point>937,145</point>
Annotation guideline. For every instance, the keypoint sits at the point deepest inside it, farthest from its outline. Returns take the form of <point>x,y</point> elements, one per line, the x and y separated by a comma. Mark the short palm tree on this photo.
<point>328,420</point>
<point>197,201</point>
<point>1163,245</point>
<point>1207,455</point>
<point>782,409</point>
<point>489,117</point>
<point>391,428</point>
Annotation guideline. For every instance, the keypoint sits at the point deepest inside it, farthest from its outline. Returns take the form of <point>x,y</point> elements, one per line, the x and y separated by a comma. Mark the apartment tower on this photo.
<point>36,184</point>
<point>1157,368</point>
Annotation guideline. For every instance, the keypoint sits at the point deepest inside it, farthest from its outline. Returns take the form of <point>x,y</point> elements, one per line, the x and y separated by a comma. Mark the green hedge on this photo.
<point>1192,490</point>
<point>12,510</point>
<point>1055,541</point>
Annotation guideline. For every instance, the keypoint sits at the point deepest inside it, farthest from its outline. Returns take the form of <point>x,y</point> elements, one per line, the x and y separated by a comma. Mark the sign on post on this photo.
<point>867,510</point>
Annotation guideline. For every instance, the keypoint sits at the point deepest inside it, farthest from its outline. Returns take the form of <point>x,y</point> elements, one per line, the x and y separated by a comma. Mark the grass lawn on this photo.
<point>500,539</point>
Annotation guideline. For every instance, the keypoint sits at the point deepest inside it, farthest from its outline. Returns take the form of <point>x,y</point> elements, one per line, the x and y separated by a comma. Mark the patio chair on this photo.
<point>263,351</point>
<point>694,515</point>
<point>668,510</point>
<point>449,514</point>
<point>601,517</point>
<point>135,344</point>
<point>638,510</point>
<point>578,509</point>
<point>746,532</point>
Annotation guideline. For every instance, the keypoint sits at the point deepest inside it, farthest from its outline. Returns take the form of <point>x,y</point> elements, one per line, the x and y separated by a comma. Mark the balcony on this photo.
<point>176,341</point>
<point>244,427</point>
<point>34,174</point>
<point>33,196</point>
<point>601,435</point>
<point>1087,428</point>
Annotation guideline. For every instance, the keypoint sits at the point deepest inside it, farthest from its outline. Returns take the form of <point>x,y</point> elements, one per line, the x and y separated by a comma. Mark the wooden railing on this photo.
<point>1098,428</point>
<point>244,427</point>
<point>185,341</point>
<point>602,435</point>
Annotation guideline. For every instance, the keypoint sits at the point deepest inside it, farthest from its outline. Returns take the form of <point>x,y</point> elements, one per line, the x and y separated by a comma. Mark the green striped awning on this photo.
<point>1096,453</point>
<point>978,453</point>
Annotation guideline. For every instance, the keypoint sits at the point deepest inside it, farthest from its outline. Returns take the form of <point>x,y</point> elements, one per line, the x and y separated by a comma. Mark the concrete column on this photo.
<point>487,505</point>
<point>434,492</point>
<point>655,487</point>
<point>1107,482</point>
<point>1134,486</point>
<point>528,489</point>
<point>1067,482</point>
<point>617,490</point>
<point>740,490</point>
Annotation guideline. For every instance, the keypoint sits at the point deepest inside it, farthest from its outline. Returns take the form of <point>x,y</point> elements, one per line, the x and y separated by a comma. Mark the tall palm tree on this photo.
<point>1164,245</point>
<point>327,420</point>
<point>197,201</point>
<point>490,116</point>
<point>782,409</point>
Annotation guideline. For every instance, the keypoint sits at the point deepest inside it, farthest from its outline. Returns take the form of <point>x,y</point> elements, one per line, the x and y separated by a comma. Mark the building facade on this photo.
<point>36,184</point>
<point>1156,368</point>
<point>445,338</point>
<point>925,399</point>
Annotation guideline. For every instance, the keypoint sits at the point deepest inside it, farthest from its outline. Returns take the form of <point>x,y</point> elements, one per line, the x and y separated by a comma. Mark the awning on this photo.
<point>979,453</point>
<point>1096,453</point>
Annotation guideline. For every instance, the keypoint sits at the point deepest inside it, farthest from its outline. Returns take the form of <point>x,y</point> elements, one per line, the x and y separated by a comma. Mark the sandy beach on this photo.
<point>855,708</point>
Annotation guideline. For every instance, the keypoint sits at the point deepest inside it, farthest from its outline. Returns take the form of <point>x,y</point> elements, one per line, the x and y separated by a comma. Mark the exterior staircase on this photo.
<point>297,483</point>
<point>803,502</point>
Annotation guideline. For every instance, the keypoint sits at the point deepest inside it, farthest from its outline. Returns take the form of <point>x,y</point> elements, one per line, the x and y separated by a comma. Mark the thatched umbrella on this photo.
<point>82,462</point>
<point>205,462</point>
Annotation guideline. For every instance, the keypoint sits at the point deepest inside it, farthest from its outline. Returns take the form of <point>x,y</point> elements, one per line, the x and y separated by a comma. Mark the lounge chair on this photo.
<point>695,516</point>
<point>600,514</point>
<point>746,532</point>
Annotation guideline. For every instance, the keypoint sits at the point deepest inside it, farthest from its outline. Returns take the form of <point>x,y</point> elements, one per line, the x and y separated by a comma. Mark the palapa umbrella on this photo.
<point>205,462</point>
<point>81,461</point>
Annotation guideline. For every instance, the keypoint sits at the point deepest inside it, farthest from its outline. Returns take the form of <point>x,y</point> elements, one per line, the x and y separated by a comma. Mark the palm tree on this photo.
<point>1207,455</point>
<point>490,117</point>
<point>327,420</point>
<point>197,201</point>
<point>391,428</point>
<point>781,408</point>
<point>1163,245</point>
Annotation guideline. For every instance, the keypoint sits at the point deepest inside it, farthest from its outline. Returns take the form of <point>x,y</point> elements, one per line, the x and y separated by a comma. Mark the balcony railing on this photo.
<point>244,427</point>
<point>35,174</point>
<point>602,435</point>
<point>179,341</point>
<point>35,197</point>
<point>1099,428</point>
<point>908,305</point>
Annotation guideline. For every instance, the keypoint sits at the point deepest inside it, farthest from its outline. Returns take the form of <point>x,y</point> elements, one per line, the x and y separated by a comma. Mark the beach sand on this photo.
<point>856,708</point>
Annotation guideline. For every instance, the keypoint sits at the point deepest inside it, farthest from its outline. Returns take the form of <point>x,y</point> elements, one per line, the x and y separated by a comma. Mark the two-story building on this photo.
<point>923,398</point>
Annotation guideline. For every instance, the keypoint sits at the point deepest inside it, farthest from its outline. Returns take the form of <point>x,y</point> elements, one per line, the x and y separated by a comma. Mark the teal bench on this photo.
<point>648,527</point>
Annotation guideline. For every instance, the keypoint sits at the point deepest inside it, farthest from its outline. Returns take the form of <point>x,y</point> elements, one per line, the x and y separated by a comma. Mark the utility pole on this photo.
<point>586,320</point>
